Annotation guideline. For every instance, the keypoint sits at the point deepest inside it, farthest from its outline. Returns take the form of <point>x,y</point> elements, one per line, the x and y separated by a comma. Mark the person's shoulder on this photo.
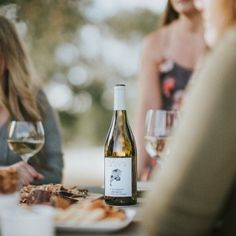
<point>157,38</point>
<point>156,42</point>
<point>220,64</point>
<point>43,99</point>
<point>41,95</point>
<point>230,37</point>
<point>44,104</point>
<point>225,48</point>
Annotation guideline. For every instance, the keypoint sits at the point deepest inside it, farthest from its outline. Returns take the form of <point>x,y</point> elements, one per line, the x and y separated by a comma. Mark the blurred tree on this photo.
<point>56,28</point>
<point>137,21</point>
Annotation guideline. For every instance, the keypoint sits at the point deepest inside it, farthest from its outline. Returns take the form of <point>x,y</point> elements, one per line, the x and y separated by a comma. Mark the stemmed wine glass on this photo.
<point>158,129</point>
<point>25,138</point>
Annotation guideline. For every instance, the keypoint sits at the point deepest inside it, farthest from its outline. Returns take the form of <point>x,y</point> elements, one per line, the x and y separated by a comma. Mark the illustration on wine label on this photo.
<point>118,177</point>
<point>115,175</point>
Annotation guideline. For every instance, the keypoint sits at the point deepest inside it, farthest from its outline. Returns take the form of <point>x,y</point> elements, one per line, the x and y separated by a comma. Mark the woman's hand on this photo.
<point>147,171</point>
<point>27,173</point>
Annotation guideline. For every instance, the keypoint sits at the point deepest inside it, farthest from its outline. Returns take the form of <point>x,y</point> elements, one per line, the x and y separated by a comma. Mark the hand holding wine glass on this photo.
<point>26,139</point>
<point>27,173</point>
<point>158,125</point>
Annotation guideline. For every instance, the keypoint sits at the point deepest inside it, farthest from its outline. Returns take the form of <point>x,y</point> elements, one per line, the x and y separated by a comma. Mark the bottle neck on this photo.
<point>119,99</point>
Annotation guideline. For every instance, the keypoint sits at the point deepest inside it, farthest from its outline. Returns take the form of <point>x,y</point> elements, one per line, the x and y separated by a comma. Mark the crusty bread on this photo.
<point>8,180</point>
<point>55,195</point>
<point>89,212</point>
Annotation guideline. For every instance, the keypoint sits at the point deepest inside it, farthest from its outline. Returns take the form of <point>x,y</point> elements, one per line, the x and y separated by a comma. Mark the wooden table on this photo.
<point>130,230</point>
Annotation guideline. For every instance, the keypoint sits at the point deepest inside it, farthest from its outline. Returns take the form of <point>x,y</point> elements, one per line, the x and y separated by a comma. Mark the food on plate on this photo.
<point>48,198</point>
<point>8,180</point>
<point>55,195</point>
<point>90,211</point>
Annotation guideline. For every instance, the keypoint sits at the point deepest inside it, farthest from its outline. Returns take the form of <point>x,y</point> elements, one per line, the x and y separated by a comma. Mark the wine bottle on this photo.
<point>120,156</point>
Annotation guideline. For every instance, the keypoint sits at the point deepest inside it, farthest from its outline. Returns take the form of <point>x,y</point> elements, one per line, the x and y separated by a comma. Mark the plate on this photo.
<point>8,200</point>
<point>144,186</point>
<point>100,226</point>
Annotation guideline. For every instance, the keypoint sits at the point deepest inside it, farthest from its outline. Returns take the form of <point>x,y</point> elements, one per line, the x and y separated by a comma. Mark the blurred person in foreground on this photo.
<point>168,60</point>
<point>21,99</point>
<point>195,191</point>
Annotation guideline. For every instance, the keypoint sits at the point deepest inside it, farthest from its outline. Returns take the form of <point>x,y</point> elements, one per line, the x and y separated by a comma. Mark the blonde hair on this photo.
<point>18,92</point>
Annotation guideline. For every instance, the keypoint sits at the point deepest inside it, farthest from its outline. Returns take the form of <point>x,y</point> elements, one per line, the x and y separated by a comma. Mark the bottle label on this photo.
<point>118,177</point>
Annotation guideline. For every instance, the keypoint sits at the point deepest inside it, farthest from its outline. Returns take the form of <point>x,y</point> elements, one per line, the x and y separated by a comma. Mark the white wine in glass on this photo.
<point>155,145</point>
<point>158,128</point>
<point>25,138</point>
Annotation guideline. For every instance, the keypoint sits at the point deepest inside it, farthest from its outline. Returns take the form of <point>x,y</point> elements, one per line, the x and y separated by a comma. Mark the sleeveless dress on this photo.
<point>173,79</point>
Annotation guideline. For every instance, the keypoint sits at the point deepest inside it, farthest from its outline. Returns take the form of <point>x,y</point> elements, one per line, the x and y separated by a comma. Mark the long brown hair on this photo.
<point>18,92</point>
<point>169,15</point>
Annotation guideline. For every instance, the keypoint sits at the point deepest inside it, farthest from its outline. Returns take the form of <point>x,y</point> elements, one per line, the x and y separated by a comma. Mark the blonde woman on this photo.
<point>195,192</point>
<point>168,60</point>
<point>21,99</point>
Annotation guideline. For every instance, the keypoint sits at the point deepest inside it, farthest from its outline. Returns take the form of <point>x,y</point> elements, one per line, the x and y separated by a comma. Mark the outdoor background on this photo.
<point>80,49</point>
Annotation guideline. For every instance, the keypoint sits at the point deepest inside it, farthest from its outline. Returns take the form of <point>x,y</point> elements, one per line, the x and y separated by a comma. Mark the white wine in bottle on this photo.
<point>120,156</point>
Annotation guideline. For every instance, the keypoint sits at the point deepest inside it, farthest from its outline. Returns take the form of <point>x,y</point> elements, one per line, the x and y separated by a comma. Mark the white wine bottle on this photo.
<point>120,156</point>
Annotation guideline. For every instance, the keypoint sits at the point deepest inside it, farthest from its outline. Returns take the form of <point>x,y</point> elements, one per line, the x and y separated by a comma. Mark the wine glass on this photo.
<point>158,129</point>
<point>25,138</point>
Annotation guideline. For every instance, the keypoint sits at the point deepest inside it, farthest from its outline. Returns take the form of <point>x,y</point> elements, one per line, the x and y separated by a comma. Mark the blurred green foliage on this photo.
<point>130,22</point>
<point>51,23</point>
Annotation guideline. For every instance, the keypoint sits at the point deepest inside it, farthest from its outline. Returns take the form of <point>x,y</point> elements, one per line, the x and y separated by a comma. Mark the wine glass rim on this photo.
<point>24,122</point>
<point>162,110</point>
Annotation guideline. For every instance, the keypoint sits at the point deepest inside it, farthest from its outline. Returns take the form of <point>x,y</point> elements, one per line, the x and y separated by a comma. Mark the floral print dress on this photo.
<point>174,79</point>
